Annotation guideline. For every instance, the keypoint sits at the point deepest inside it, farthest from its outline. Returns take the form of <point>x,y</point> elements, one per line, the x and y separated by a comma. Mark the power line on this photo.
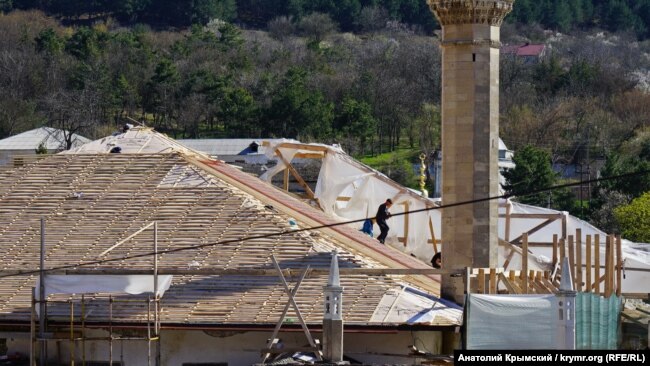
<point>286,232</point>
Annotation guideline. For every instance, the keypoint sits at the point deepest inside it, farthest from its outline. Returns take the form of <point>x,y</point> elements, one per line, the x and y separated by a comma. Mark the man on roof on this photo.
<point>382,215</point>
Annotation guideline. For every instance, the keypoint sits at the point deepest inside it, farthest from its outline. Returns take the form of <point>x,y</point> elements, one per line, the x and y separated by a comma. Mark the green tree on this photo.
<point>356,124</point>
<point>6,5</point>
<point>526,11</point>
<point>344,12</point>
<point>617,164</point>
<point>130,10</point>
<point>532,172</point>
<point>238,111</point>
<point>617,16</point>
<point>184,13</point>
<point>634,219</point>
<point>86,43</point>
<point>162,86</point>
<point>47,41</point>
<point>549,77</point>
<point>298,112</point>
<point>41,149</point>
<point>561,18</point>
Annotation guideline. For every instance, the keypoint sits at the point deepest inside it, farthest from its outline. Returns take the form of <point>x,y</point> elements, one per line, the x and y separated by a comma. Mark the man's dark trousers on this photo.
<point>383,226</point>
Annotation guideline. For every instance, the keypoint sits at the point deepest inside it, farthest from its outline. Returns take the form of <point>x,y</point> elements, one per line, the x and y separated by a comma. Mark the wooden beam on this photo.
<point>578,260</point>
<point>406,222</point>
<point>513,249</point>
<point>512,277</point>
<point>286,179</point>
<point>309,155</point>
<point>508,216</point>
<point>588,262</point>
<point>533,230</point>
<point>597,263</point>
<point>524,261</point>
<point>537,285</point>
<point>506,282</point>
<point>619,264</point>
<point>540,244</point>
<point>572,259</point>
<point>433,236</point>
<point>562,254</point>
<point>509,258</point>
<point>555,260</point>
<point>531,216</point>
<point>548,284</point>
<point>300,146</point>
<point>480,287</point>
<point>608,264</point>
<point>309,147</point>
<point>597,281</point>
<point>295,174</point>
<point>343,199</point>
<point>493,281</point>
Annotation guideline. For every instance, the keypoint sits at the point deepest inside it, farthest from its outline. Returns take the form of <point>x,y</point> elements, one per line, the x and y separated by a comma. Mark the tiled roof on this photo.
<point>524,50</point>
<point>51,138</point>
<point>92,201</point>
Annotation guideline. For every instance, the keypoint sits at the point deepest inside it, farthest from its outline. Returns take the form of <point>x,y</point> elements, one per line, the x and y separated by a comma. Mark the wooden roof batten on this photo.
<point>104,198</point>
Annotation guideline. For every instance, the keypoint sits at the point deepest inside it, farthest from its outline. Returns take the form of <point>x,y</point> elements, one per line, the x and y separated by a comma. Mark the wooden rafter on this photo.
<point>433,239</point>
<point>295,174</point>
<point>533,230</point>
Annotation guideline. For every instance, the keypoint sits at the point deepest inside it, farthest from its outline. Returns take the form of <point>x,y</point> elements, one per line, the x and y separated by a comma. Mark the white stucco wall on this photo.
<point>235,348</point>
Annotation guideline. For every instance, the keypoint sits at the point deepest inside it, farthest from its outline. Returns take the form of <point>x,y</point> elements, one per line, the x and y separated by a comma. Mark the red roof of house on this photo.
<point>524,50</point>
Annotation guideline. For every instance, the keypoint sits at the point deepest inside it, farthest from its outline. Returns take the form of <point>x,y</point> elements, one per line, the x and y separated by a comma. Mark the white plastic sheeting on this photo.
<point>636,256</point>
<point>511,322</point>
<point>407,305</point>
<point>349,190</point>
<point>363,189</point>
<point>109,284</point>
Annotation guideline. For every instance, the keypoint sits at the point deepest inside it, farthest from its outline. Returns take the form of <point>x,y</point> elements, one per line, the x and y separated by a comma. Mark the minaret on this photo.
<point>470,133</point>
<point>566,303</point>
<point>332,319</point>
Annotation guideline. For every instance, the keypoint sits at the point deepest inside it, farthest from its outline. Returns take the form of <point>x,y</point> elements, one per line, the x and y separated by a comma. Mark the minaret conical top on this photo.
<point>334,280</point>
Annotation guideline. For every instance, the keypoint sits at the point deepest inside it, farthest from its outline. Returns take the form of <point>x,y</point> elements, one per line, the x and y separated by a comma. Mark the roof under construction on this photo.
<point>92,199</point>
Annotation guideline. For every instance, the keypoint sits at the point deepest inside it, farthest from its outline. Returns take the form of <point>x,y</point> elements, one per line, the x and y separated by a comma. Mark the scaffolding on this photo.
<point>77,325</point>
<point>74,330</point>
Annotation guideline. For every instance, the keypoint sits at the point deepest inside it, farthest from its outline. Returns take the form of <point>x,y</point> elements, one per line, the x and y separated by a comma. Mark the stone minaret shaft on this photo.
<point>470,129</point>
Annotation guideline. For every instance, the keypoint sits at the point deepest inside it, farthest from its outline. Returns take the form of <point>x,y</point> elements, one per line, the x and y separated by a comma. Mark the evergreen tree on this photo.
<point>532,172</point>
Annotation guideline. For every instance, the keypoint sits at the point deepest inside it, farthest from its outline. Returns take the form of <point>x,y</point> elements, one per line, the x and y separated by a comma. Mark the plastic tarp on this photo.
<point>409,306</point>
<point>109,284</point>
<point>363,189</point>
<point>511,322</point>
<point>635,255</point>
<point>597,320</point>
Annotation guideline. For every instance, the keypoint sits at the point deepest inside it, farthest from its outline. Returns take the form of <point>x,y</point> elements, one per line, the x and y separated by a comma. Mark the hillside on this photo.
<point>349,15</point>
<point>584,101</point>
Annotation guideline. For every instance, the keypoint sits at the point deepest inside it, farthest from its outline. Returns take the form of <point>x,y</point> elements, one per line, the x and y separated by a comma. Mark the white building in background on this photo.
<point>505,162</point>
<point>234,151</point>
<point>26,143</point>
